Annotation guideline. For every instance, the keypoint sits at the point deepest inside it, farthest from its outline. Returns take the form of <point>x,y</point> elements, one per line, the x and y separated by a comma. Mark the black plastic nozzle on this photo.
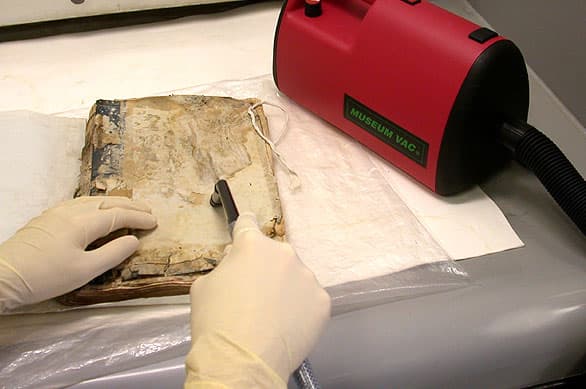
<point>313,8</point>
<point>222,196</point>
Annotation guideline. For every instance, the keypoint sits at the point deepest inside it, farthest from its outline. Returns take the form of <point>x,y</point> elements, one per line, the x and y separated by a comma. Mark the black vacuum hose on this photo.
<point>539,154</point>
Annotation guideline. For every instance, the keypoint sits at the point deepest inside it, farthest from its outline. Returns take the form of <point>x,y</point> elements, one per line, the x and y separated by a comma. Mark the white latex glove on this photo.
<point>47,257</point>
<point>256,316</point>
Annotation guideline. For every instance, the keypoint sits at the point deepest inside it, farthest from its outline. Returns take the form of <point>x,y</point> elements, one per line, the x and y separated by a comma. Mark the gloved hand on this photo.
<point>256,316</point>
<point>47,258</point>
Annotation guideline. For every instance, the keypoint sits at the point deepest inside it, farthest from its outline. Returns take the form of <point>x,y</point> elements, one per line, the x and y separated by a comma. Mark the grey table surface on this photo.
<point>520,322</point>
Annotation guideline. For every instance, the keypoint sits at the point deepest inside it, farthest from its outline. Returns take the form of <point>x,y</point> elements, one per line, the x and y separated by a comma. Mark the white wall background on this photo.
<point>552,36</point>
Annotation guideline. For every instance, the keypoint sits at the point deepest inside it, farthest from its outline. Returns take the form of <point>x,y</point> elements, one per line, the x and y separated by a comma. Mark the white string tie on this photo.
<point>294,181</point>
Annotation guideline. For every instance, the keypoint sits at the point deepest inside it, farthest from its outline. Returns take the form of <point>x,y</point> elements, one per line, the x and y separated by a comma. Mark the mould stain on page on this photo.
<point>211,133</point>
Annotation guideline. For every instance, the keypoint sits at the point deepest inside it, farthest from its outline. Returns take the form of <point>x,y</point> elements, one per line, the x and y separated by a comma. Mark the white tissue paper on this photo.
<point>347,222</point>
<point>39,165</point>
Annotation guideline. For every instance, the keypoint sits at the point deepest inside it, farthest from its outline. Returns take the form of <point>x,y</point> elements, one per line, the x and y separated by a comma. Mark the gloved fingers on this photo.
<point>227,250</point>
<point>246,222</point>
<point>100,202</point>
<point>102,222</point>
<point>124,202</point>
<point>307,273</point>
<point>196,285</point>
<point>323,299</point>
<point>309,279</point>
<point>109,255</point>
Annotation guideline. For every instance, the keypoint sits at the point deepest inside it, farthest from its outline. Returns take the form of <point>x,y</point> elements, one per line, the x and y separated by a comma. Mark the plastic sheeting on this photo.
<point>59,349</point>
<point>346,222</point>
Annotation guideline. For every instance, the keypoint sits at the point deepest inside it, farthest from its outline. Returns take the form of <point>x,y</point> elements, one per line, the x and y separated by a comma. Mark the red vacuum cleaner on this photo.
<point>438,96</point>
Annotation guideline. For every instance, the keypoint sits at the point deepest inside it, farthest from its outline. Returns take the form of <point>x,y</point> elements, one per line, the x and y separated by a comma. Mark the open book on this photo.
<point>169,151</point>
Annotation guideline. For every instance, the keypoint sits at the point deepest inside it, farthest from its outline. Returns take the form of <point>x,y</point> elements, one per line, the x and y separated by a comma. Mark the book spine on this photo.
<point>104,149</point>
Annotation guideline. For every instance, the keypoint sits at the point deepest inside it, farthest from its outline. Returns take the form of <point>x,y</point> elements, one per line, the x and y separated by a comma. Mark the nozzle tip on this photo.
<point>215,200</point>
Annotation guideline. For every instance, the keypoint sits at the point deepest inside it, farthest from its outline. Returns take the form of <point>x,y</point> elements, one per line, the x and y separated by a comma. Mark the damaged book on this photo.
<point>169,151</point>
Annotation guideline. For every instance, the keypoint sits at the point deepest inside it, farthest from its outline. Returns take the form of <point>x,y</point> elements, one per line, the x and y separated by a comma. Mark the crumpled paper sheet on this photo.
<point>39,165</point>
<point>466,225</point>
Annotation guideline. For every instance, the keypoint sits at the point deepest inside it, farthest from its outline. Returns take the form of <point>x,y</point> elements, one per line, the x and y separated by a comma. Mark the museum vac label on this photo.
<point>385,130</point>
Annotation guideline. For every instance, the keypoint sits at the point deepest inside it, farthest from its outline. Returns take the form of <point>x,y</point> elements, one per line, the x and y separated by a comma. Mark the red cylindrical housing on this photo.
<point>425,89</point>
